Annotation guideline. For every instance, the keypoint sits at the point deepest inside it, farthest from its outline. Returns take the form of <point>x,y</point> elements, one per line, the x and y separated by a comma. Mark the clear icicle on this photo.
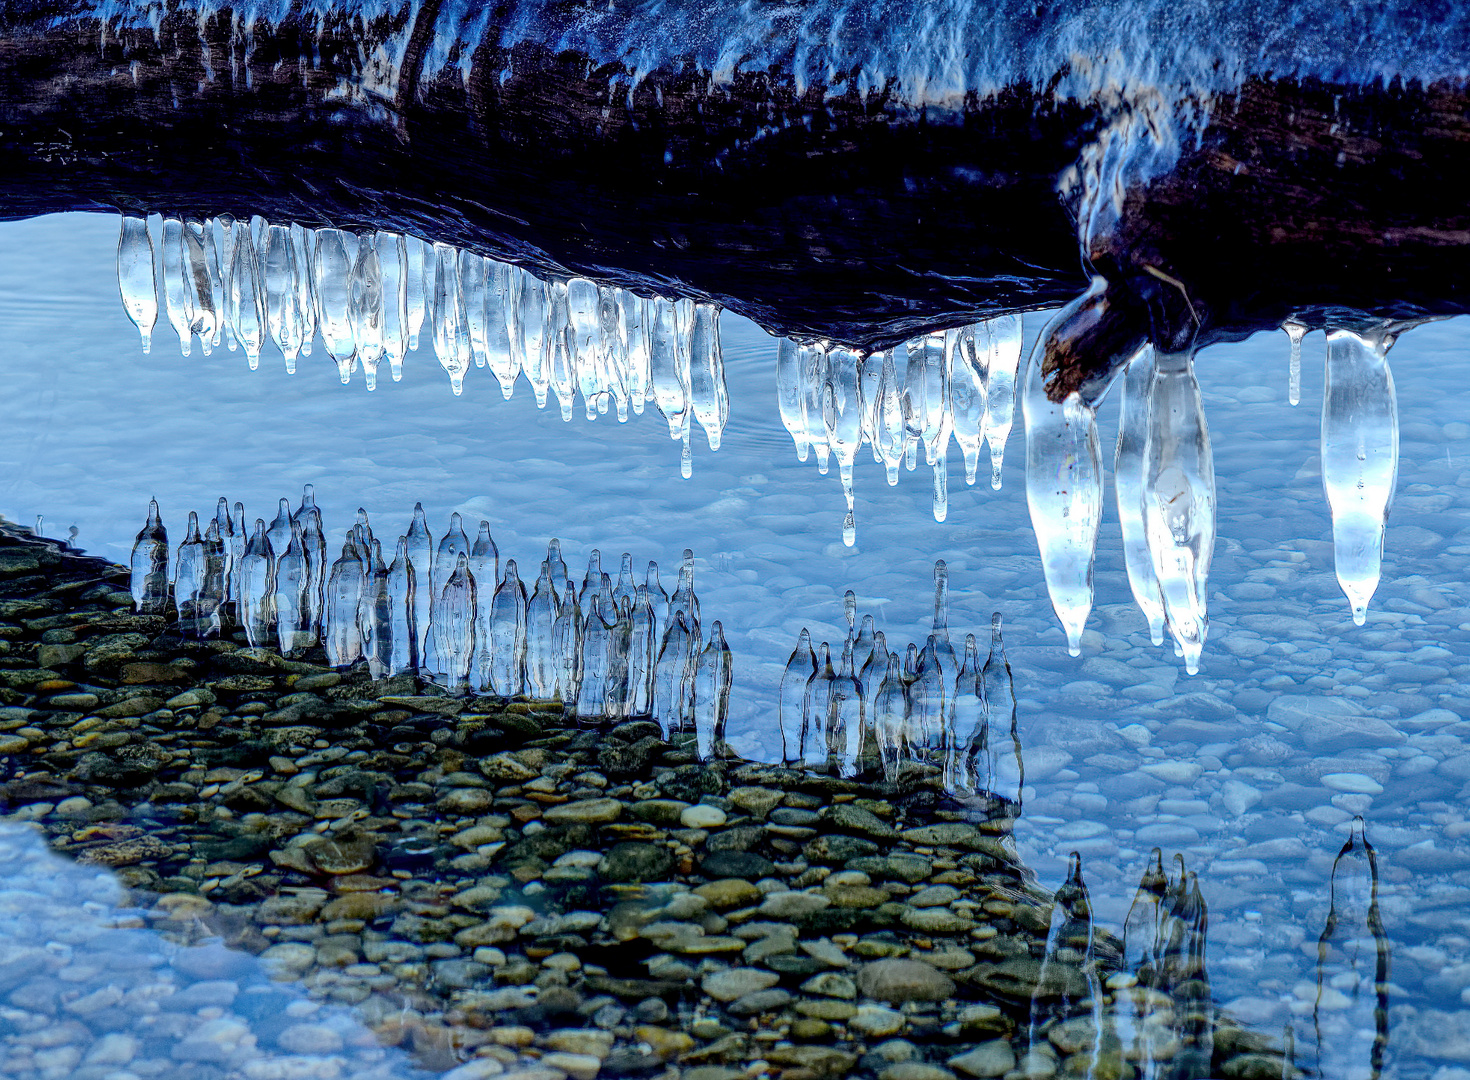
<point>791,704</point>
<point>944,649</point>
<point>846,717</point>
<point>189,581</point>
<point>226,531</point>
<point>532,332</point>
<point>1350,1013</point>
<point>245,299</point>
<point>393,268</point>
<point>684,598</point>
<point>891,716</point>
<point>674,676</point>
<point>541,612</point>
<point>283,314</point>
<point>485,574</point>
<point>149,564</point>
<point>888,419</point>
<point>1179,500</point>
<point>237,550</point>
<point>616,373</point>
<point>657,596</point>
<point>175,295</point>
<point>367,309</point>
<point>813,363</point>
<point>508,635</point>
<point>591,582</point>
<point>642,640</point>
<point>596,661</point>
<point>816,710</point>
<point>1005,771</point>
<point>1063,490</point>
<point>964,744</point>
<point>1295,331</point>
<point>454,544</point>
<point>303,246</point>
<point>202,284</point>
<point>500,298</point>
<point>967,396</point>
<point>255,611</point>
<point>561,366</point>
<point>586,342</point>
<point>634,313</point>
<point>293,614</point>
<point>451,335</point>
<point>223,228</point>
<point>789,393</point>
<point>1360,457</point>
<point>669,378</point>
<point>625,590</point>
<point>345,587</point>
<point>420,550</point>
<point>314,545</point>
<point>928,706</point>
<point>1001,340</point>
<point>842,419</point>
<point>135,276</point>
<point>711,704</point>
<point>454,625</point>
<point>863,644</point>
<point>418,263</point>
<point>473,281</point>
<point>1133,419</point>
<point>332,271</point>
<point>707,394</point>
<point>1068,975</point>
<point>566,646</point>
<point>279,533</point>
<point>874,670</point>
<point>395,638</point>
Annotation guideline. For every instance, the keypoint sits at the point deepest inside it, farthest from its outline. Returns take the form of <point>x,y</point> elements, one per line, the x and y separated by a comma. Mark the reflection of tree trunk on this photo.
<point>857,219</point>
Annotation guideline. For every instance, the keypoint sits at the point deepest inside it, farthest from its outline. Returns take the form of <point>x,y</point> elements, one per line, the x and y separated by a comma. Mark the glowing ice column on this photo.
<point>451,332</point>
<point>788,393</point>
<point>255,610</point>
<point>393,265</point>
<point>1295,331</point>
<point>150,566</point>
<point>668,366</point>
<point>888,425</point>
<point>790,707</point>
<point>345,587</point>
<point>1001,338</point>
<point>1063,490</point>
<point>1133,418</point>
<point>582,306</point>
<point>927,389</point>
<point>1360,457</point>
<point>1351,1011</point>
<point>244,296</point>
<point>967,396</point>
<point>135,279</point>
<point>279,273</point>
<point>842,417</point>
<point>711,702</point>
<point>175,296</point>
<point>707,394</point>
<point>812,365</point>
<point>1179,500</point>
<point>366,309</point>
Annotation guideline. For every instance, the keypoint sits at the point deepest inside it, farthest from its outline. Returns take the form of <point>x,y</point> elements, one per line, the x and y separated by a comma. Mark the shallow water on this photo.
<point>1253,770</point>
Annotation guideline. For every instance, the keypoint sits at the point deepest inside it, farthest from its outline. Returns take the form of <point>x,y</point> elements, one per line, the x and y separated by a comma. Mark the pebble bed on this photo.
<point>277,870</point>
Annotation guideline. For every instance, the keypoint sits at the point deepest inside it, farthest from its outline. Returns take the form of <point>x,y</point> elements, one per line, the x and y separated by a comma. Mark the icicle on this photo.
<point>531,337</point>
<point>237,550</point>
<point>189,580</point>
<point>176,299</point>
<point>874,670</point>
<point>202,285</point>
<point>1068,975</point>
<point>420,550</point>
<point>926,388</point>
<point>791,704</point>
<point>944,650</point>
<point>668,377</point>
<point>614,349</point>
<point>541,614</point>
<point>293,615</point>
<point>642,639</point>
<point>1063,489</point>
<point>1360,457</point>
<point>508,635</point>
<point>816,710</point>
<point>591,698</point>
<point>314,546</point>
<point>279,533</point>
<point>928,706</point>
<point>1005,771</point>
<point>842,418</point>
<point>964,743</point>
<point>561,363</point>
<point>634,313</point>
<point>454,625</point>
<point>1295,331</point>
<point>967,395</point>
<point>566,646</point>
<point>891,716</point>
<point>586,343</point>
<point>392,257</point>
<point>1134,412</point>
<point>366,309</point>
<point>1179,500</point>
<point>473,290</point>
<point>225,528</point>
<point>888,420</point>
<point>451,335</point>
<point>591,583</point>
<point>1001,339</point>
<point>1351,1010</point>
<point>846,717</point>
<point>149,562</point>
<point>863,644</point>
<point>418,269</point>
<point>710,695</point>
<point>222,229</point>
<point>625,591</point>
<point>789,393</point>
<point>245,301</point>
<point>813,363</point>
<point>684,598</point>
<point>332,272</point>
<point>345,588</point>
<point>256,606</point>
<point>484,566</point>
<point>674,676</point>
<point>135,276</point>
<point>707,394</point>
<point>279,272</point>
<point>303,246</point>
<point>500,299</point>
<point>657,596</point>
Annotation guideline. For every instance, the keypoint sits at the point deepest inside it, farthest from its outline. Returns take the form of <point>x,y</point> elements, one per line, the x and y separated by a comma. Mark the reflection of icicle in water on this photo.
<point>1179,500</point>
<point>1133,420</point>
<point>135,277</point>
<point>1351,1009</point>
<point>1295,331</point>
<point>1063,490</point>
<point>1068,979</point>
<point>1360,457</point>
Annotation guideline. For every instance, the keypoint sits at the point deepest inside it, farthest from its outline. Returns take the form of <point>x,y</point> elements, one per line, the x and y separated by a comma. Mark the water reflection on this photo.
<point>493,881</point>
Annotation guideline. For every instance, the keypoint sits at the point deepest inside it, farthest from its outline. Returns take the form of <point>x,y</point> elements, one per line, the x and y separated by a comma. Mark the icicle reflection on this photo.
<point>1351,1008</point>
<point>456,618</point>
<point>369,295</point>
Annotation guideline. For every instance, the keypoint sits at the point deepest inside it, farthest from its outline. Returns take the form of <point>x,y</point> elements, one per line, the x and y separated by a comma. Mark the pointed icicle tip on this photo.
<point>1074,868</point>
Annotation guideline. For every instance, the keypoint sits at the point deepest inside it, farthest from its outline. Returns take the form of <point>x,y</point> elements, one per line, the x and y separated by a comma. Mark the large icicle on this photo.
<point>1063,487</point>
<point>1179,500</point>
<point>1360,456</point>
<point>135,279</point>
<point>1295,331</point>
<point>1133,418</point>
<point>1001,339</point>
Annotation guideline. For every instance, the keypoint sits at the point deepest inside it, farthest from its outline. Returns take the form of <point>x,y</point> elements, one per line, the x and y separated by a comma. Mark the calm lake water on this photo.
<point>1254,770</point>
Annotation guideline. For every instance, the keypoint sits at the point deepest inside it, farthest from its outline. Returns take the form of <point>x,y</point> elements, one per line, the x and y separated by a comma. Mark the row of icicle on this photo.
<point>368,297</point>
<point>933,706</point>
<point>956,383</point>
<point>1164,480</point>
<point>609,649</point>
<point>1155,1013</point>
